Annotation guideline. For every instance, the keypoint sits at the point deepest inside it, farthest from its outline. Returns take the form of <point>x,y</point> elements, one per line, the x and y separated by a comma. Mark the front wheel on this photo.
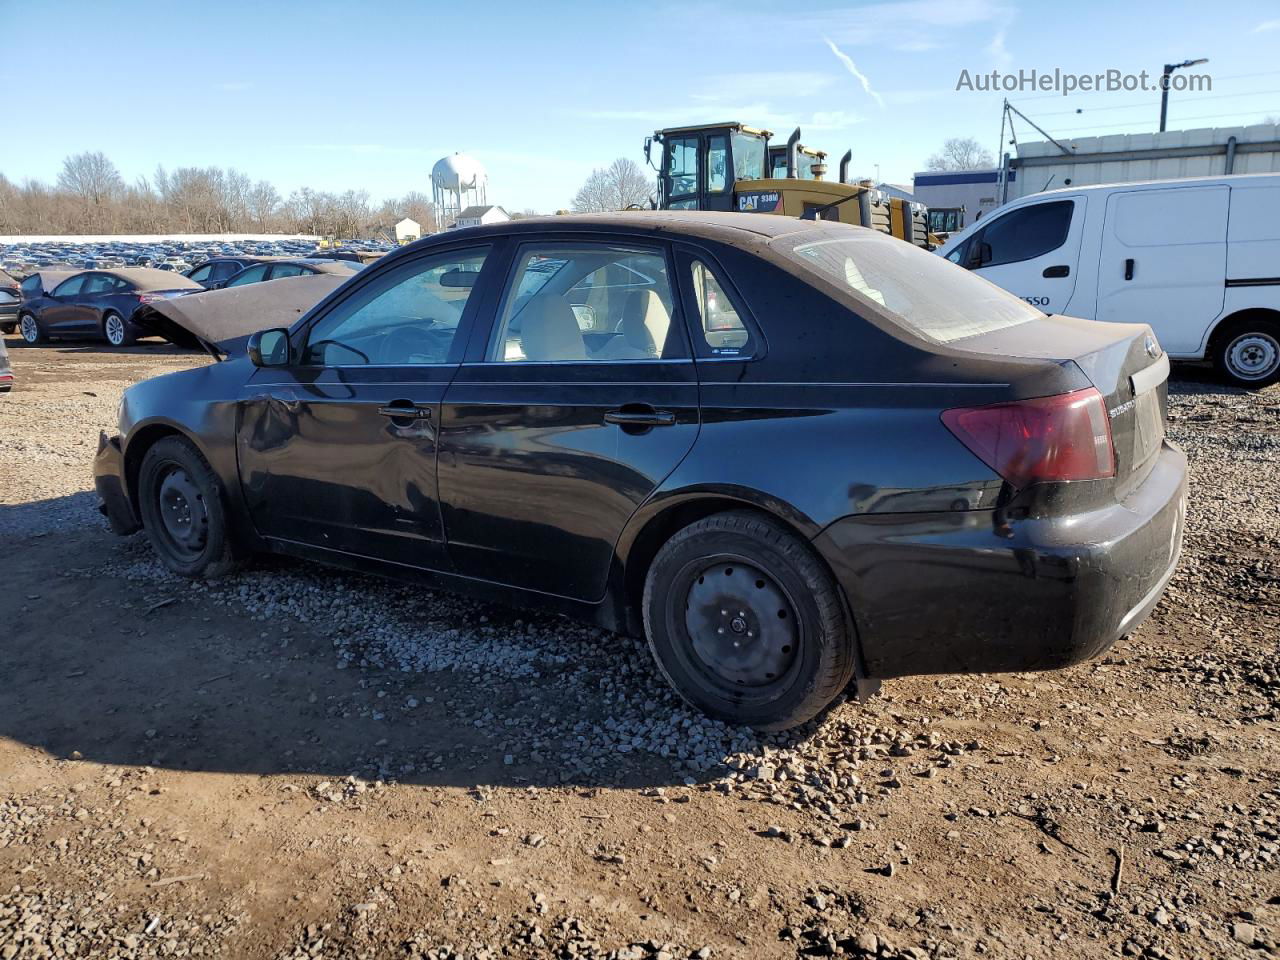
<point>180,499</point>
<point>31,330</point>
<point>1248,353</point>
<point>746,622</point>
<point>116,330</point>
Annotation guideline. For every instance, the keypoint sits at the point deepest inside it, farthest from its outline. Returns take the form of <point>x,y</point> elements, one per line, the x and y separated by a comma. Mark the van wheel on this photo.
<point>746,622</point>
<point>1247,352</point>
<point>180,500</point>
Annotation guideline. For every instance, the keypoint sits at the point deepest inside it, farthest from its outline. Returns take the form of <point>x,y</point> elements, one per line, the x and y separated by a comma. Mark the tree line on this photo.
<point>91,197</point>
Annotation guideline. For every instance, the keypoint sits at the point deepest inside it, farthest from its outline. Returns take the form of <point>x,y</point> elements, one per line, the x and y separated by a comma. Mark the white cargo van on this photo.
<point>1197,259</point>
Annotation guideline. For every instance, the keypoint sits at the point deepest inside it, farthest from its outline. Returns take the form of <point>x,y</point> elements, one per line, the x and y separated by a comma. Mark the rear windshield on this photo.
<point>925,292</point>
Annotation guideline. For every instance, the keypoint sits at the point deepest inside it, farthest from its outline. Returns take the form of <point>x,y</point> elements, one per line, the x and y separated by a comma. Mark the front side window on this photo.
<point>201,274</point>
<point>408,316</point>
<point>286,270</point>
<point>252,275</point>
<point>717,163</point>
<point>682,165</point>
<point>1025,234</point>
<point>70,288</point>
<point>224,269</point>
<point>586,302</point>
<point>722,328</point>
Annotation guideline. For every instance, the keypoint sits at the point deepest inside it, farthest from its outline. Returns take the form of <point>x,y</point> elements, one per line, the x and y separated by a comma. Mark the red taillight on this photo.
<point>1067,437</point>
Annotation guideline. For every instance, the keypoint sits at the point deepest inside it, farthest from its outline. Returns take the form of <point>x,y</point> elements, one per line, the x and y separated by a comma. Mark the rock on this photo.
<point>868,943</point>
<point>1245,933</point>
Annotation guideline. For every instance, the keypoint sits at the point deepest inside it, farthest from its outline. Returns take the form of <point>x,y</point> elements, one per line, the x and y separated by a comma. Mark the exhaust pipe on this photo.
<point>793,159</point>
<point>844,166</point>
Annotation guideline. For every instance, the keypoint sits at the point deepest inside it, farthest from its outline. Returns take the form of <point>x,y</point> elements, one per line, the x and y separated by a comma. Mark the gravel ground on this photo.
<point>297,762</point>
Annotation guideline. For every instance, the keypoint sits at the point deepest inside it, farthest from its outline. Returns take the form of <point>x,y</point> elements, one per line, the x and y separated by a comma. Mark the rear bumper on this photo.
<point>947,593</point>
<point>108,478</point>
<point>8,313</point>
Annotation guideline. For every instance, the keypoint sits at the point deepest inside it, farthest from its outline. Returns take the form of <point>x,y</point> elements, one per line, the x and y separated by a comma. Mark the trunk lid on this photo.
<point>1122,360</point>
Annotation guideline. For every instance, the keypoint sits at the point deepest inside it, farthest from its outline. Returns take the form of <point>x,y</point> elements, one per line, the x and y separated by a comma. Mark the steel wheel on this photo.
<point>113,327</point>
<point>29,328</point>
<point>1252,356</point>
<point>742,626</point>
<point>183,513</point>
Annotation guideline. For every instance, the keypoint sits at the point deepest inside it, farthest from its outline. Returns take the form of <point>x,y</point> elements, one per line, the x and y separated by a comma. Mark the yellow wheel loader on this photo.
<point>731,166</point>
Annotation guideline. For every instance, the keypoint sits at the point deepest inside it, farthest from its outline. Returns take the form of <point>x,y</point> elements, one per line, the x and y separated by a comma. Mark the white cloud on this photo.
<point>1267,26</point>
<point>997,51</point>
<point>853,69</point>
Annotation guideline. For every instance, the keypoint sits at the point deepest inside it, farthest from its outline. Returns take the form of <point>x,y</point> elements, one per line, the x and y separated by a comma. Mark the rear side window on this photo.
<point>722,328</point>
<point>921,290</point>
<point>1027,233</point>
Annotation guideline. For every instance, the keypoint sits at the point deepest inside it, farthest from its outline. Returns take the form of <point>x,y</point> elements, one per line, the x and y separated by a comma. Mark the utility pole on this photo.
<point>1164,85</point>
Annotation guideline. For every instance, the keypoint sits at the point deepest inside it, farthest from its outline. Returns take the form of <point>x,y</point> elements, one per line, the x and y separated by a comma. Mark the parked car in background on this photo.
<point>1195,258</point>
<point>871,464</point>
<point>6,371</point>
<point>10,297</point>
<point>215,271</point>
<point>275,269</point>
<point>96,303</point>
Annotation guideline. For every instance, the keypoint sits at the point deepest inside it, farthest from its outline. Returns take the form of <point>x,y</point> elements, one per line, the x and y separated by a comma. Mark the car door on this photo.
<point>1032,251</point>
<point>93,300</point>
<point>62,315</point>
<point>569,411</point>
<point>1163,262</point>
<point>338,450</point>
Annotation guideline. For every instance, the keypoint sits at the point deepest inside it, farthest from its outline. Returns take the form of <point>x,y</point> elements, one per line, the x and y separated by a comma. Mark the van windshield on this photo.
<point>927,294</point>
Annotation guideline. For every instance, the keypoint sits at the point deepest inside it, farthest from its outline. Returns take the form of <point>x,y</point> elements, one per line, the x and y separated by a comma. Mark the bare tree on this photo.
<point>94,181</point>
<point>960,153</point>
<point>622,184</point>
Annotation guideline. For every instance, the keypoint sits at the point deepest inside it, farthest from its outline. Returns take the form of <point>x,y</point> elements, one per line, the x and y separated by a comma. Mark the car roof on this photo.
<point>145,278</point>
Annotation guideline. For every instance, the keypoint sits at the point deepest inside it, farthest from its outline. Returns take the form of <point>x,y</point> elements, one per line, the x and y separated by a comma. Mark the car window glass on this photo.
<point>587,302</point>
<point>31,286</point>
<point>69,288</point>
<point>251,275</point>
<point>286,270</point>
<point>408,316</point>
<point>682,165</point>
<point>717,160</point>
<point>722,327</point>
<point>98,283</point>
<point>1027,233</point>
<point>202,273</point>
<point>220,271</point>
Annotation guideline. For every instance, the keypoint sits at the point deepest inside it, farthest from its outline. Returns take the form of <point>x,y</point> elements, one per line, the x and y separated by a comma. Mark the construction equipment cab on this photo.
<point>732,167</point>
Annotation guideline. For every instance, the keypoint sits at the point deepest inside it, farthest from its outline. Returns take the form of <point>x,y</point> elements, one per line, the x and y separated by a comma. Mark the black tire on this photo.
<point>1246,352</point>
<point>175,479</point>
<point>33,332</point>
<point>746,622</point>
<point>116,330</point>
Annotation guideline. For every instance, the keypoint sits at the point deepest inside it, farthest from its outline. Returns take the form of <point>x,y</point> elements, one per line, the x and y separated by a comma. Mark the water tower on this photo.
<point>457,182</point>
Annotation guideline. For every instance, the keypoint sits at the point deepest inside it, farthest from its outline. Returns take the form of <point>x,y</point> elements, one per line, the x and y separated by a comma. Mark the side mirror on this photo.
<point>269,348</point>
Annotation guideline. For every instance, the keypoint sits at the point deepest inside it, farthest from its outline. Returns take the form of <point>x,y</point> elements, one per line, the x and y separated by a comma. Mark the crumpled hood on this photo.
<point>221,321</point>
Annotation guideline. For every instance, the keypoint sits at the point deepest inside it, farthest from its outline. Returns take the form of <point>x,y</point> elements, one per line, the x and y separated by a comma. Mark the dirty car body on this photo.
<point>754,440</point>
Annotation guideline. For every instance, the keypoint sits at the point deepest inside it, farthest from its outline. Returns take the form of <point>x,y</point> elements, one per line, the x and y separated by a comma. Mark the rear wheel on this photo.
<point>1247,352</point>
<point>180,499</point>
<point>31,330</point>
<point>116,330</point>
<point>746,622</point>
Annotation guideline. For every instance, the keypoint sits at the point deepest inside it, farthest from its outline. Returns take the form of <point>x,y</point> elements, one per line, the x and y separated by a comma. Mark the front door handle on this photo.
<point>1060,270</point>
<point>1128,269</point>
<point>405,411</point>
<point>640,416</point>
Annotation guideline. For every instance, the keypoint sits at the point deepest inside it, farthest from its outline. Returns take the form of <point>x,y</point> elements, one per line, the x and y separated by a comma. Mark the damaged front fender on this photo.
<point>108,478</point>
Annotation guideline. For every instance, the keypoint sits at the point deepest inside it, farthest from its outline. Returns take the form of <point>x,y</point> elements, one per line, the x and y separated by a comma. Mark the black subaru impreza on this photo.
<point>795,455</point>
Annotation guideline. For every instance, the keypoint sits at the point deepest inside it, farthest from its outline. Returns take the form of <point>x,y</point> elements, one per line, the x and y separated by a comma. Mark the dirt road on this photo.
<point>296,762</point>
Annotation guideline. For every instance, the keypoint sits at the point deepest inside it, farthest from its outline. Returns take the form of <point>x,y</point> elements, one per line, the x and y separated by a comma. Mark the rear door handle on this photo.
<point>1128,269</point>
<point>641,417</point>
<point>1061,270</point>
<point>405,411</point>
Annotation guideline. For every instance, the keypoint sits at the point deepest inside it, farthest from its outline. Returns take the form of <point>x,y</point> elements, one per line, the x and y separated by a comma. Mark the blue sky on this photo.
<point>368,95</point>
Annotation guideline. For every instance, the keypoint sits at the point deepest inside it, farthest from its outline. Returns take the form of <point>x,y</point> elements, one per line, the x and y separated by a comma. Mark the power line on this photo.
<point>1146,104</point>
<point>1232,76</point>
<point>1111,126</point>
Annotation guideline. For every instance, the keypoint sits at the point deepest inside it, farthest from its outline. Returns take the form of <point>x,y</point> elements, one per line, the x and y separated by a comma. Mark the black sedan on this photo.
<point>97,303</point>
<point>795,455</point>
